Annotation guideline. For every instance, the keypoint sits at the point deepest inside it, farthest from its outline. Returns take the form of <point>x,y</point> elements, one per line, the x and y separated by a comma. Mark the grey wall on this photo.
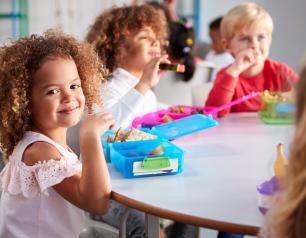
<point>74,16</point>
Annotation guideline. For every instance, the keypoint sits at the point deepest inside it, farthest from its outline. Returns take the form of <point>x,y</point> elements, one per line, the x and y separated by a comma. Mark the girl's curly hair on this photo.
<point>18,63</point>
<point>111,29</point>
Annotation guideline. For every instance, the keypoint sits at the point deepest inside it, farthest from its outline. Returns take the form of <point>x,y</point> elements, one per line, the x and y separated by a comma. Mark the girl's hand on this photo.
<point>151,74</point>
<point>96,124</point>
<point>243,60</point>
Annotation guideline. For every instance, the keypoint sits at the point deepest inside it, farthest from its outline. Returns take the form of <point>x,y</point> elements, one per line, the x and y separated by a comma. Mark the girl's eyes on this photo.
<point>75,86</point>
<point>56,90</point>
<point>150,38</point>
<point>52,91</point>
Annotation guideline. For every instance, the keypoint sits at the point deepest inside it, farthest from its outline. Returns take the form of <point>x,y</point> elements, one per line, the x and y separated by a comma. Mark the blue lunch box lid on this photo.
<point>183,126</point>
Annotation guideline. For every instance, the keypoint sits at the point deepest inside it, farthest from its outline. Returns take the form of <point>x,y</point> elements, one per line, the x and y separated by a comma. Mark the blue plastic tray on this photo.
<point>132,162</point>
<point>133,158</point>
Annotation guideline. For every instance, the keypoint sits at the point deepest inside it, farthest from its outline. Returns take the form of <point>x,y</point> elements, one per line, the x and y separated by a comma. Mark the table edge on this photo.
<point>188,219</point>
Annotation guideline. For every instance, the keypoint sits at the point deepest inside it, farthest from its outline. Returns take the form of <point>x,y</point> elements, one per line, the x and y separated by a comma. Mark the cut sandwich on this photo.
<point>132,135</point>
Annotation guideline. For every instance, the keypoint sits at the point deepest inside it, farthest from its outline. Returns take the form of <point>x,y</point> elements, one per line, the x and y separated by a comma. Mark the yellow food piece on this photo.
<point>177,109</point>
<point>280,162</point>
<point>166,118</point>
<point>158,150</point>
<point>273,96</point>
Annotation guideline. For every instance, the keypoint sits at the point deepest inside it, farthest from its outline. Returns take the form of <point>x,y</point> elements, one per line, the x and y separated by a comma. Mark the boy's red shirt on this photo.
<point>275,76</point>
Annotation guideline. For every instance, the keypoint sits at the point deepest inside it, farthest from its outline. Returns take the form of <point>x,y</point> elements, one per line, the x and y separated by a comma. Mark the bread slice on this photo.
<point>134,134</point>
<point>119,135</point>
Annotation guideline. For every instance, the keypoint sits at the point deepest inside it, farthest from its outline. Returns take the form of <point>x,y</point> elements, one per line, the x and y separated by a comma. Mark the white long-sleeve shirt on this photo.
<point>123,101</point>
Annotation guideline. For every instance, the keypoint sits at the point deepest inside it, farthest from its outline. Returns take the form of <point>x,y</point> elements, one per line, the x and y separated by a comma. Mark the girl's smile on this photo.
<point>57,97</point>
<point>69,110</point>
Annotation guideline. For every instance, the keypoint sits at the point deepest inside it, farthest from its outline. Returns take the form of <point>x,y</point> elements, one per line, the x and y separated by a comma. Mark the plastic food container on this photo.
<point>180,111</point>
<point>265,192</point>
<point>135,158</point>
<point>276,109</point>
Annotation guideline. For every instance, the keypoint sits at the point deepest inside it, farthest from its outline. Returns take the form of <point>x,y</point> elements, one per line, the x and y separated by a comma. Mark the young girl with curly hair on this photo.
<point>130,41</point>
<point>45,84</point>
<point>287,218</point>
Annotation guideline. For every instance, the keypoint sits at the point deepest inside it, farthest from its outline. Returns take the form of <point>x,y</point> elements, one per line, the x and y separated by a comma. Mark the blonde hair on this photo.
<point>287,218</point>
<point>19,62</point>
<point>110,32</point>
<point>243,16</point>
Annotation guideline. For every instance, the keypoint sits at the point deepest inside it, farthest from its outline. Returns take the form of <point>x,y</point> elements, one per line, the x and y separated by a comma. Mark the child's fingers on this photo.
<point>108,119</point>
<point>253,54</point>
<point>104,118</point>
<point>166,61</point>
<point>161,59</point>
<point>247,57</point>
<point>164,57</point>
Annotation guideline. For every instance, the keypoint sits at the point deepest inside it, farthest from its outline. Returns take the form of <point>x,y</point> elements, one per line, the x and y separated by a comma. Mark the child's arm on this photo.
<point>90,189</point>
<point>222,91</point>
<point>151,74</point>
<point>170,5</point>
<point>227,79</point>
<point>126,103</point>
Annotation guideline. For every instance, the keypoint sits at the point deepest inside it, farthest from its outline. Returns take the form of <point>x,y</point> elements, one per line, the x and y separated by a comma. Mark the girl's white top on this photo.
<point>123,101</point>
<point>29,206</point>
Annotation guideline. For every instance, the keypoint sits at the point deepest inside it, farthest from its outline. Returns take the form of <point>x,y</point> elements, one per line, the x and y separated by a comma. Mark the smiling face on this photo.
<point>141,48</point>
<point>57,99</point>
<point>255,38</point>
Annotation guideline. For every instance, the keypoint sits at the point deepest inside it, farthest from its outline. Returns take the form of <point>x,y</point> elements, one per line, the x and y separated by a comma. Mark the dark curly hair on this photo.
<point>180,45</point>
<point>18,63</point>
<point>111,29</point>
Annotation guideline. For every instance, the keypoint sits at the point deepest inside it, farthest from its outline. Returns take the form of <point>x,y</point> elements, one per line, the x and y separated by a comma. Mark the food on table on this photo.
<point>180,68</point>
<point>131,135</point>
<point>166,118</point>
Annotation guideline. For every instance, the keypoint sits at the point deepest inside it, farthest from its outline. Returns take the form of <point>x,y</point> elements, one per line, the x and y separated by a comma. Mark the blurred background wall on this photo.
<point>74,16</point>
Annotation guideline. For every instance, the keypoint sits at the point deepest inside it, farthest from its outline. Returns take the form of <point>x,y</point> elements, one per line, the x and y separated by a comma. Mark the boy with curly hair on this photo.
<point>130,41</point>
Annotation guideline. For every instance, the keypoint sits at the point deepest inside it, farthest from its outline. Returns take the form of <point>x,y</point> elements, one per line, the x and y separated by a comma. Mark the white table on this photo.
<point>217,189</point>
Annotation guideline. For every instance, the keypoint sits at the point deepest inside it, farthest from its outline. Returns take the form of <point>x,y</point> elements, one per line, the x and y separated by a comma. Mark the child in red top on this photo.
<point>247,33</point>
